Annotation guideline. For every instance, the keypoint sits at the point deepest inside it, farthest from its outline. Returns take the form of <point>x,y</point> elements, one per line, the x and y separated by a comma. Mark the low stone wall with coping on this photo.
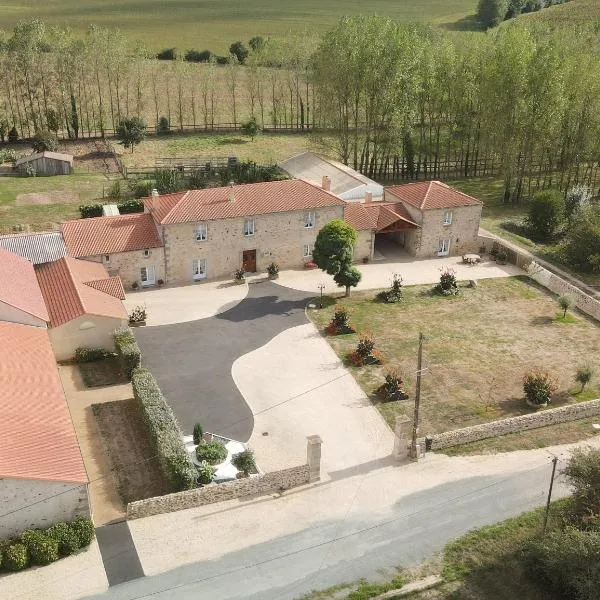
<point>542,418</point>
<point>551,281</point>
<point>261,484</point>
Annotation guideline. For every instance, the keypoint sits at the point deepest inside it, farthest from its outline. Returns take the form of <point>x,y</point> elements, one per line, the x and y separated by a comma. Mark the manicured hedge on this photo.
<point>163,431</point>
<point>83,355</point>
<point>90,210</point>
<point>131,206</point>
<point>128,350</point>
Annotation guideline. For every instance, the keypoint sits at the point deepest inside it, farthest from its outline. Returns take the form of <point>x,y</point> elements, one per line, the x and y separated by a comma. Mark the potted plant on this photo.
<point>310,265</point>
<point>273,270</point>
<point>244,462</point>
<point>137,317</point>
<point>161,282</point>
<point>135,285</point>
<point>238,276</point>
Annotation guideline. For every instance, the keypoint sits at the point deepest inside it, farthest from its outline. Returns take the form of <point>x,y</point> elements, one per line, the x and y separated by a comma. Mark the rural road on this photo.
<point>368,544</point>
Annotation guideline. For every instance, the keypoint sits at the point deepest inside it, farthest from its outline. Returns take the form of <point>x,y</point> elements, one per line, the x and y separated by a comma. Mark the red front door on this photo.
<point>249,261</point>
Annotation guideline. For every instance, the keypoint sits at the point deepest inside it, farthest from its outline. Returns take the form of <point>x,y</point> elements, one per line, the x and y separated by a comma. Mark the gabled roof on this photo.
<point>73,288</point>
<point>107,235</point>
<point>19,287</point>
<point>240,201</point>
<point>46,154</point>
<point>345,181</point>
<point>377,216</point>
<point>37,438</point>
<point>35,247</point>
<point>430,195</point>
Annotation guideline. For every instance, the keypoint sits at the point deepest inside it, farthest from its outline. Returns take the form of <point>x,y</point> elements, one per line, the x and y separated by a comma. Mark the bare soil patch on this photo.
<point>52,197</point>
<point>131,457</point>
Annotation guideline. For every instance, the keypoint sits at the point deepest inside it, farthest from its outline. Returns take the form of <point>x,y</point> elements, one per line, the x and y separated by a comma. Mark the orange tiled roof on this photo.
<point>19,287</point>
<point>240,201</point>
<point>429,195</point>
<point>66,287</point>
<point>376,215</point>
<point>37,436</point>
<point>107,235</point>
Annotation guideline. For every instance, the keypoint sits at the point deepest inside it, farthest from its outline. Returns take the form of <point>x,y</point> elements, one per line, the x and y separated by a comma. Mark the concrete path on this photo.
<point>169,305</point>
<point>306,390</point>
<point>119,556</point>
<point>192,361</point>
<point>377,275</point>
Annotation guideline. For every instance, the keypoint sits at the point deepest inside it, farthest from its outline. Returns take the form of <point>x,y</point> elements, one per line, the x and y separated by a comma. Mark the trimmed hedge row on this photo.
<point>90,210</point>
<point>164,432</point>
<point>84,355</point>
<point>42,547</point>
<point>128,350</point>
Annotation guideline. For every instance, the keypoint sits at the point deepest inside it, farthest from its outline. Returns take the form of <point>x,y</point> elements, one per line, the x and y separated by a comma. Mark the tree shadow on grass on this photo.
<point>468,23</point>
<point>227,140</point>
<point>541,320</point>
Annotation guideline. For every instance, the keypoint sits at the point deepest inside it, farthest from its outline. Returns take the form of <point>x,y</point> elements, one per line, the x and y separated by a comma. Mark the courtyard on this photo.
<point>478,347</point>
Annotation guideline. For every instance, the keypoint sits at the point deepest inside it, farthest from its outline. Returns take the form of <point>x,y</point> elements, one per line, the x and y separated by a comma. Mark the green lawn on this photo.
<point>474,361</point>
<point>206,24</point>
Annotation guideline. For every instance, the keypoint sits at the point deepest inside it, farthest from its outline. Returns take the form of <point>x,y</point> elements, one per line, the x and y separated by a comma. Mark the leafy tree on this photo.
<point>44,140</point>
<point>582,239</point>
<point>163,127</point>
<point>198,433</point>
<point>168,181</point>
<point>196,56</point>
<point>492,12</point>
<point>584,375</point>
<point>240,51</point>
<point>577,197</point>
<point>131,131</point>
<point>583,475</point>
<point>538,387</point>
<point>565,302</point>
<point>167,54</point>
<point>4,126</point>
<point>546,214</point>
<point>250,128</point>
<point>515,8</point>
<point>74,118</point>
<point>51,120</point>
<point>13,135</point>
<point>333,252</point>
<point>257,43</point>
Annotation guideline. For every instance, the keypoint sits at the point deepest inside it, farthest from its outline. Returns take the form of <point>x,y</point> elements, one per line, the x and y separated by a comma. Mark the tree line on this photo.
<point>492,12</point>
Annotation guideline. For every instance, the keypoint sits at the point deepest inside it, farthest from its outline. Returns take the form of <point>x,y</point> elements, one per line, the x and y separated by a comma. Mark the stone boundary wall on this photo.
<point>584,302</point>
<point>542,418</point>
<point>261,484</point>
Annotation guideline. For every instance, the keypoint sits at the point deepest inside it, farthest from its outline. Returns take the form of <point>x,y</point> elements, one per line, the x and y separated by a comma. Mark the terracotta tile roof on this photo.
<point>19,287</point>
<point>68,294</point>
<point>429,195</point>
<point>376,215</point>
<point>241,201</point>
<point>113,286</point>
<point>37,436</point>
<point>107,235</point>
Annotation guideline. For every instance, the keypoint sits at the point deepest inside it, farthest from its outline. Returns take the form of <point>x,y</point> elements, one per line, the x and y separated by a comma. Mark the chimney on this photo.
<point>154,192</point>
<point>326,184</point>
<point>368,197</point>
<point>231,194</point>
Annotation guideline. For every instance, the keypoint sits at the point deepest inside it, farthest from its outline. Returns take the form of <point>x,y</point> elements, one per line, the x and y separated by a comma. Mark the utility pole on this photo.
<point>414,450</point>
<point>554,461</point>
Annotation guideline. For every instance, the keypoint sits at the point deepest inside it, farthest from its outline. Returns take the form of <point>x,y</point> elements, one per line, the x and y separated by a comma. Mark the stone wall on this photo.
<point>553,282</point>
<point>364,245</point>
<point>261,484</point>
<point>542,418</point>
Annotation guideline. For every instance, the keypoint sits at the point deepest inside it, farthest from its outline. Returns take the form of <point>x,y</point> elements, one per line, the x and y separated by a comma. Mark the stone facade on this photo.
<point>128,265</point>
<point>363,248</point>
<point>542,418</point>
<point>278,237</point>
<point>261,484</point>
<point>39,504</point>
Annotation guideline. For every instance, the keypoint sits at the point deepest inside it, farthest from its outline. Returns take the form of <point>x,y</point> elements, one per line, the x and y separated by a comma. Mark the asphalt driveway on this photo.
<point>192,361</point>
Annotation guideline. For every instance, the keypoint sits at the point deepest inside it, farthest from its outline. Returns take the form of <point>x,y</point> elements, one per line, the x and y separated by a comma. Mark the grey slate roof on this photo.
<point>36,247</point>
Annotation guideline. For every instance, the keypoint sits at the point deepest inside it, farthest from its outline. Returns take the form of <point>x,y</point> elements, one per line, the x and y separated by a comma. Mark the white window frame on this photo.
<point>202,232</point>
<point>444,247</point>
<point>307,251</point>
<point>202,273</point>
<point>448,216</point>
<point>149,269</point>
<point>310,216</point>
<point>249,227</point>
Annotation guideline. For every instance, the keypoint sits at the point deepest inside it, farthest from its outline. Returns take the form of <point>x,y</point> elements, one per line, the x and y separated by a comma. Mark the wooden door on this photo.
<point>249,261</point>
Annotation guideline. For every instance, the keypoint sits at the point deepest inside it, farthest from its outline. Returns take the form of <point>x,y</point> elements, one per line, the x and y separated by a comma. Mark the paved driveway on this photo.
<point>192,361</point>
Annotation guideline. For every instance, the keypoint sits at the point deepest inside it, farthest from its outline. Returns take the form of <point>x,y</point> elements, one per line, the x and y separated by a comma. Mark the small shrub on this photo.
<point>394,294</point>
<point>115,192</point>
<point>90,210</point>
<point>583,475</point>
<point>584,375</point>
<point>16,557</point>
<point>30,170</point>
<point>84,355</point>
<point>392,389</point>
<point>340,322</point>
<point>211,452</point>
<point>65,536</point>
<point>42,549</point>
<point>138,315</point>
<point>83,528</point>
<point>365,353</point>
<point>273,270</point>
<point>538,387</point>
<point>448,285</point>
<point>167,54</point>
<point>13,135</point>
<point>198,433</point>
<point>131,206</point>
<point>8,156</point>
<point>566,302</point>
<point>239,274</point>
<point>206,473</point>
<point>44,140</point>
<point>365,346</point>
<point>244,462</point>
<point>163,127</point>
<point>546,212</point>
<point>501,256</point>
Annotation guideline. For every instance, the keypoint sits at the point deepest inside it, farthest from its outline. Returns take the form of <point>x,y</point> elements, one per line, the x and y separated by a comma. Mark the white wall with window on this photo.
<point>202,232</point>
<point>199,268</point>
<point>249,227</point>
<point>307,250</point>
<point>448,217</point>
<point>309,219</point>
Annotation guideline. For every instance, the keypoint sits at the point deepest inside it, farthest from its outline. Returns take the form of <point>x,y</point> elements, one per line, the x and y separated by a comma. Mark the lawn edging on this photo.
<point>543,418</point>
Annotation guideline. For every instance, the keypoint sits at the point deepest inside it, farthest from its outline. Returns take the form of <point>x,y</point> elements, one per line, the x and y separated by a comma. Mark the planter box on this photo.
<point>137,324</point>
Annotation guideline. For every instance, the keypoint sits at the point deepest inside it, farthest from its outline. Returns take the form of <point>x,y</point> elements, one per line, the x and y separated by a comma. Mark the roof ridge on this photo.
<point>163,220</point>
<point>422,207</point>
<point>72,278</point>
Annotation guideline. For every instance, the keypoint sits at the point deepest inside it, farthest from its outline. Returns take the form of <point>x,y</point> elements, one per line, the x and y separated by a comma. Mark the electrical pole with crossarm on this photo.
<point>414,450</point>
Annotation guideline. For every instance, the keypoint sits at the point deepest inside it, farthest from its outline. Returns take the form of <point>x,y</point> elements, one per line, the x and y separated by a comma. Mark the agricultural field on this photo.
<point>475,365</point>
<point>215,25</point>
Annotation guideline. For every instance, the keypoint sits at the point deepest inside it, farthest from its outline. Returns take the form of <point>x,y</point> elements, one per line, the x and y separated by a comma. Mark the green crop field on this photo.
<point>214,24</point>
